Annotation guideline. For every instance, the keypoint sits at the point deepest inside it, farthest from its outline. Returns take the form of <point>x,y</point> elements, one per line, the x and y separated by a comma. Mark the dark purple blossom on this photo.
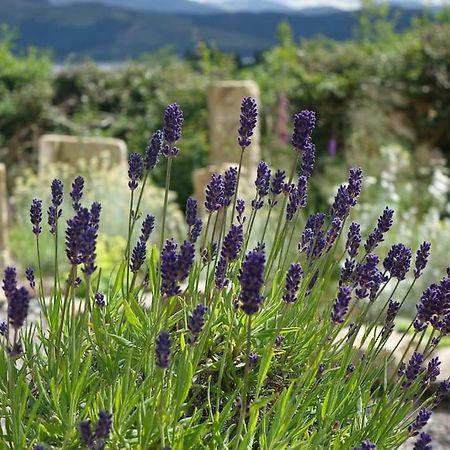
<point>3,328</point>
<point>262,182</point>
<point>138,256</point>
<point>153,150</point>
<point>413,369</point>
<point>220,274</point>
<point>347,272</point>
<point>9,282</point>
<point>232,243</point>
<point>86,436</point>
<point>191,211</point>
<point>253,359</point>
<point>308,160</point>
<point>279,340</point>
<point>18,307</point>
<point>341,304</point>
<point>80,238</point>
<point>441,392</point>
<point>240,209</point>
<point>366,445</point>
<point>252,280</point>
<point>420,421</point>
<point>293,204</point>
<point>169,269</point>
<point>422,255</point>
<point>36,216</point>
<point>77,192</point>
<point>148,226</point>
<point>54,210</point>
<point>173,121</point>
<point>276,187</point>
<point>433,370</point>
<point>350,368</point>
<point>398,261</point>
<point>368,277</point>
<point>377,235</point>
<point>95,211</point>
<point>292,282</point>
<point>99,299</point>
<point>391,314</point>
<point>422,442</point>
<point>247,121</point>
<point>229,185</point>
<point>355,178</point>
<point>214,193</point>
<point>135,165</point>
<point>353,239</point>
<point>196,322</point>
<point>333,232</point>
<point>103,427</point>
<point>185,260</point>
<point>29,274</point>
<point>195,230</point>
<point>304,124</point>
<point>162,350</point>
<point>305,239</point>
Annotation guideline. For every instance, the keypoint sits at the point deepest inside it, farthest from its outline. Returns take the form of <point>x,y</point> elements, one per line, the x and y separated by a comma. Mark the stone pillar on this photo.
<point>3,219</point>
<point>224,103</point>
<point>70,150</point>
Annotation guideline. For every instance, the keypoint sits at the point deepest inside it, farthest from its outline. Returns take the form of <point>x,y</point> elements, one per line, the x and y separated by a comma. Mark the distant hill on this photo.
<point>107,33</point>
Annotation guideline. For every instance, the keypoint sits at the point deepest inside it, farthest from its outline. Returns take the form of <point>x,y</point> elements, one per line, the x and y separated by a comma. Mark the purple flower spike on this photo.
<point>413,369</point>
<point>333,232</point>
<point>232,243</point>
<point>196,322</point>
<point>355,178</point>
<point>422,442</point>
<point>433,370</point>
<point>214,193</point>
<point>292,283</point>
<point>229,185</point>
<point>29,274</point>
<point>54,210</point>
<point>252,280</point>
<point>398,261</point>
<point>347,272</point>
<point>103,427</point>
<point>191,211</point>
<point>422,255</point>
<point>377,235</point>
<point>36,216</point>
<point>421,420</point>
<point>169,269</point>
<point>138,256</point>
<point>135,164</point>
<point>340,307</point>
<point>366,445</point>
<point>195,230</point>
<point>253,359</point>
<point>3,328</point>
<point>77,192</point>
<point>100,299</point>
<point>240,209</point>
<point>293,204</point>
<point>18,308</point>
<point>148,226</point>
<point>304,124</point>
<point>95,211</point>
<point>9,282</point>
<point>86,436</point>
<point>162,350</point>
<point>278,180</point>
<point>153,150</point>
<point>442,392</point>
<point>353,239</point>
<point>173,121</point>
<point>247,121</point>
<point>262,181</point>
<point>185,260</point>
<point>308,160</point>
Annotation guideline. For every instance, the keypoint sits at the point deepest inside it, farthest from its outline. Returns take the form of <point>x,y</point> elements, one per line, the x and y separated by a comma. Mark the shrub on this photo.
<point>258,355</point>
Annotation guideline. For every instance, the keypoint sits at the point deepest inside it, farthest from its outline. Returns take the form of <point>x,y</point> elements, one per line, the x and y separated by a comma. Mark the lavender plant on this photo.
<point>213,342</point>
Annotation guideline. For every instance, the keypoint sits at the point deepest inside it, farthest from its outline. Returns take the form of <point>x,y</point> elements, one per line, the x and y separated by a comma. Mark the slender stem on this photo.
<point>246,380</point>
<point>237,186</point>
<point>128,253</point>
<point>266,224</point>
<point>166,196</point>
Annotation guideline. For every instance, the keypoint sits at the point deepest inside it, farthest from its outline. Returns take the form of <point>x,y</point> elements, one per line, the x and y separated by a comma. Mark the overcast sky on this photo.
<point>343,4</point>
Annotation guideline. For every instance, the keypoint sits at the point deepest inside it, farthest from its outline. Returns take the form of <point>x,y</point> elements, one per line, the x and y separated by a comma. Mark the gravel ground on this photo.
<point>438,427</point>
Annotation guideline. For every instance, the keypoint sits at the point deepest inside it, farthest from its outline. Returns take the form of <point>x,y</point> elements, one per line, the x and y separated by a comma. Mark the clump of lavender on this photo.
<point>247,121</point>
<point>251,279</point>
<point>162,350</point>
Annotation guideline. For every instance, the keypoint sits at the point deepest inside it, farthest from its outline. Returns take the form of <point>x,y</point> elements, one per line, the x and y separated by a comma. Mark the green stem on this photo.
<point>166,196</point>
<point>237,186</point>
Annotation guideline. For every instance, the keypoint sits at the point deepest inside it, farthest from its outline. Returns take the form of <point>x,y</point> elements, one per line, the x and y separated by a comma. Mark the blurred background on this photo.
<point>376,73</point>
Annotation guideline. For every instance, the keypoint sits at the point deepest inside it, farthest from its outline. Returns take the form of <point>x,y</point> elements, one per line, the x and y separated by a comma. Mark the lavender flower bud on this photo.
<point>86,436</point>
<point>398,261</point>
<point>347,272</point>
<point>353,239</point>
<point>252,280</point>
<point>173,121</point>
<point>148,226</point>
<point>292,283</point>
<point>100,299</point>
<point>262,181</point>
<point>104,425</point>
<point>421,420</point>
<point>366,445</point>
<point>441,392</point>
<point>355,177</point>
<point>333,232</point>
<point>18,308</point>
<point>195,230</point>
<point>77,192</point>
<point>169,269</point>
<point>191,211</point>
<point>54,210</point>
<point>340,307</point>
<point>422,442</point>
<point>276,187</point>
<point>413,369</point>
<point>9,282</point>
<point>253,359</point>
<point>185,260</point>
<point>433,371</point>
<point>162,349</point>
<point>220,274</point>
<point>422,255</point>
<point>247,120</point>
<point>308,160</point>
<point>135,164</point>
<point>229,185</point>
<point>196,322</point>
<point>153,150</point>
<point>232,243</point>
<point>3,328</point>
<point>384,224</point>
<point>304,124</point>
<point>36,216</point>
<point>214,193</point>
<point>240,208</point>
<point>279,340</point>
<point>29,274</point>
<point>95,211</point>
